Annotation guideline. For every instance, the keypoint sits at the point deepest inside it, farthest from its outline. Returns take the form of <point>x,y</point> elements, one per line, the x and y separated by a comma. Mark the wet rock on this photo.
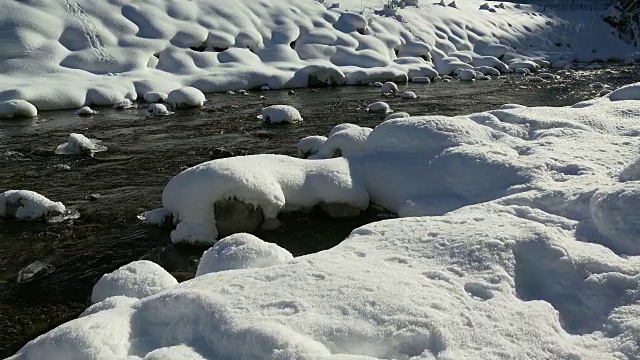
<point>234,216</point>
<point>34,271</point>
<point>340,210</point>
<point>219,153</point>
<point>291,92</point>
<point>271,224</point>
<point>41,152</point>
<point>93,197</point>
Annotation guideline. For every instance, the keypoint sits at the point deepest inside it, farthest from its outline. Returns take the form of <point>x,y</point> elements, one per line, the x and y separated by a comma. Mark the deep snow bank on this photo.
<point>534,254</point>
<point>67,54</point>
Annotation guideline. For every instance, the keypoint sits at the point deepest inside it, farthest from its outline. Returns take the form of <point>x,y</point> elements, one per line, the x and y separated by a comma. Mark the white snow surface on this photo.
<point>28,205</point>
<point>72,53</point>
<point>279,114</point>
<point>79,144</point>
<point>138,279</point>
<point>17,109</point>
<point>310,145</point>
<point>186,97</point>
<point>241,251</point>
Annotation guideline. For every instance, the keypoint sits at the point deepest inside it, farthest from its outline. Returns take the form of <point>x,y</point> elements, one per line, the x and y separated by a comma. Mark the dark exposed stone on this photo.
<point>234,216</point>
<point>340,210</point>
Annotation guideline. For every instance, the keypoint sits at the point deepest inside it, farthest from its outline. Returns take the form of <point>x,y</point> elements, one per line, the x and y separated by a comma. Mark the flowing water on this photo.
<point>112,188</point>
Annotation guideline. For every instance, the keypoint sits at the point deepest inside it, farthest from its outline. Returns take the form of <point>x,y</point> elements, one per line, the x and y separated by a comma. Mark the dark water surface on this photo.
<point>145,152</point>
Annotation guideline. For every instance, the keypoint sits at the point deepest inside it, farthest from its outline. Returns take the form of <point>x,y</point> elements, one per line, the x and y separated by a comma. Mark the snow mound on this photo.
<point>241,251</point>
<point>186,97</point>
<point>379,106</point>
<point>310,145</point>
<point>628,92</point>
<point>280,114</point>
<point>79,144</point>
<point>268,182</point>
<point>341,127</point>
<point>28,205</point>
<point>138,279</point>
<point>86,111</point>
<point>17,109</point>
<point>421,80</point>
<point>348,141</point>
<point>466,75</point>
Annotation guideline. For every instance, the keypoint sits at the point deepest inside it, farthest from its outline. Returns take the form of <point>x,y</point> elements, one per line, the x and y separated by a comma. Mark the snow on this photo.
<point>155,97</point>
<point>86,111</point>
<point>17,109</point>
<point>186,97</point>
<point>158,110</point>
<point>379,106</point>
<point>78,53</point>
<point>466,75</point>
<point>408,95</point>
<point>278,114</point>
<point>138,279</point>
<point>310,145</point>
<point>241,251</point>
<point>515,241</point>
<point>28,205</point>
<point>350,139</point>
<point>389,87</point>
<point>79,144</point>
<point>397,115</point>
<point>123,104</point>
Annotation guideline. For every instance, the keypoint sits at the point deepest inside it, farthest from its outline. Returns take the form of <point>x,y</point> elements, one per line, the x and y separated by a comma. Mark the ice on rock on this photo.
<point>241,251</point>
<point>487,70</point>
<point>155,97</point>
<point>186,97</point>
<point>79,144</point>
<point>280,114</point>
<point>28,205</point>
<point>397,115</point>
<point>17,109</point>
<point>379,107</point>
<point>377,84</point>
<point>158,110</point>
<point>86,111</point>
<point>407,95</point>
<point>389,87</point>
<point>123,104</point>
<point>310,145</point>
<point>138,279</point>
<point>466,75</point>
<point>421,80</point>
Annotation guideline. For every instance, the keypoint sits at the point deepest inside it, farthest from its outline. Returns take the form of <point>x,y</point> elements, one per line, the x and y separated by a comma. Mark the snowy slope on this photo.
<point>71,53</point>
<point>536,255</point>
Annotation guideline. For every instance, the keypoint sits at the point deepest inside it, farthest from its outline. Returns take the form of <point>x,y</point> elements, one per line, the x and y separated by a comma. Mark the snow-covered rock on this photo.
<point>280,114</point>
<point>397,115</point>
<point>466,75</point>
<point>379,106</point>
<point>421,80</point>
<point>310,145</point>
<point>389,87</point>
<point>138,279</point>
<point>348,141</point>
<point>158,110</point>
<point>155,97</point>
<point>186,97</point>
<point>28,205</point>
<point>17,109</point>
<point>122,104</point>
<point>241,251</point>
<point>85,111</point>
<point>407,95</point>
<point>79,144</point>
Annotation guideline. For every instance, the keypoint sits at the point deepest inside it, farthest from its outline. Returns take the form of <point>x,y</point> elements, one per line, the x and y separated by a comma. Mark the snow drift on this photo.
<point>74,53</point>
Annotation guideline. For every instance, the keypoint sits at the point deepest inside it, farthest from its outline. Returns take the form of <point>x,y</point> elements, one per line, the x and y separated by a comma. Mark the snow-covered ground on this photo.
<point>72,53</point>
<point>518,241</point>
